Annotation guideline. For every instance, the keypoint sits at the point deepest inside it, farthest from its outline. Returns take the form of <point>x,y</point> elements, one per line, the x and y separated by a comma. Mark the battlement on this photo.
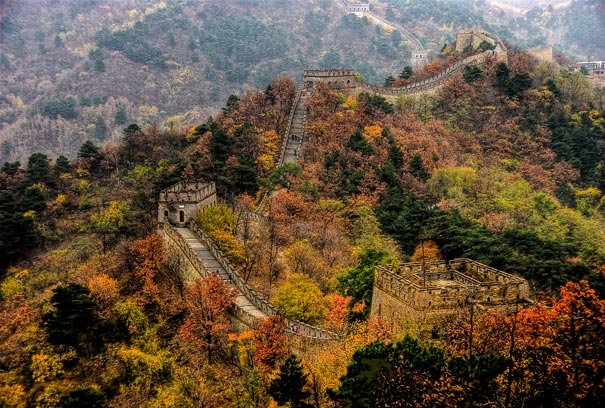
<point>438,288</point>
<point>357,7</point>
<point>339,78</point>
<point>182,201</point>
<point>335,72</point>
<point>472,38</point>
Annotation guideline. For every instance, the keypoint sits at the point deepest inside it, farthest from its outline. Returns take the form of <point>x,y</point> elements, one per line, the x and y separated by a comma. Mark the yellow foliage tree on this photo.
<point>371,132</point>
<point>229,245</point>
<point>217,218</point>
<point>301,299</point>
<point>350,104</point>
<point>427,249</point>
<point>104,290</point>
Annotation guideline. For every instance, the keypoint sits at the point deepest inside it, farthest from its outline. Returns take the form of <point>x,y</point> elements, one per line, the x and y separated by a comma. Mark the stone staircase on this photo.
<point>294,139</point>
<point>202,258</point>
<point>212,265</point>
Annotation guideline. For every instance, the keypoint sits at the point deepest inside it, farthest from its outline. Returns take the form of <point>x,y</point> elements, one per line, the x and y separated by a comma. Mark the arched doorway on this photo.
<point>181,216</point>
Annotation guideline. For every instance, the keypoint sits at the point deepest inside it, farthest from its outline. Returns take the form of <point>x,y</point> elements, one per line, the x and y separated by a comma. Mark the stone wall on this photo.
<point>405,291</point>
<point>179,203</point>
<point>334,78</point>
<point>470,40</point>
<point>419,58</point>
<point>358,7</point>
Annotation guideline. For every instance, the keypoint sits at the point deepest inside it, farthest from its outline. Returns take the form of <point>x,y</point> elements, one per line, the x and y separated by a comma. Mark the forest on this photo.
<point>82,70</point>
<point>504,165</point>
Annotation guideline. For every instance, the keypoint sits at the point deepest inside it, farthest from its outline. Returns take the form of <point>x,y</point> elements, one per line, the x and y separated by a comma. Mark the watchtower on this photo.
<point>179,203</point>
<point>435,290</point>
<point>335,78</point>
<point>419,58</point>
<point>358,7</point>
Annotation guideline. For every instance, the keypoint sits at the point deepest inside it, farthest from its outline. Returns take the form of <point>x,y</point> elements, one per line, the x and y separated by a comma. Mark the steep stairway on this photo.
<point>294,138</point>
<point>212,265</point>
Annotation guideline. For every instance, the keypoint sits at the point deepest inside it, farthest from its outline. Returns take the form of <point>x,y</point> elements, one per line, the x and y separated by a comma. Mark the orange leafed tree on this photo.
<point>427,250</point>
<point>206,325</point>
<point>271,343</point>
<point>336,313</point>
<point>149,260</point>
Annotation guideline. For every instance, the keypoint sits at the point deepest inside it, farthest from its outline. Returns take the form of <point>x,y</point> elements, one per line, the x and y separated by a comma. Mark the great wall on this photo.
<point>400,291</point>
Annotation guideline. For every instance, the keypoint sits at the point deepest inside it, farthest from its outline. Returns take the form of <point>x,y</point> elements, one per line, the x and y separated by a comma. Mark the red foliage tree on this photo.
<point>206,325</point>
<point>271,342</point>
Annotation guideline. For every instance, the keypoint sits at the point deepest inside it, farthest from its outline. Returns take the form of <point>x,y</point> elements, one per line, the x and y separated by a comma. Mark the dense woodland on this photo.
<point>503,165</point>
<point>83,70</point>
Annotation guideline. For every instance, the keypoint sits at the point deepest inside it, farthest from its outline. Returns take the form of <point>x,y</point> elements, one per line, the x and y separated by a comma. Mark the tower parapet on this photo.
<point>179,203</point>
<point>339,78</point>
<point>438,289</point>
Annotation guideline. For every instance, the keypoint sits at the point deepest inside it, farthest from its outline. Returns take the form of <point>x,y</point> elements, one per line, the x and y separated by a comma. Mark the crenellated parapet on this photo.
<point>347,79</point>
<point>436,289</point>
<point>179,203</point>
<point>338,78</point>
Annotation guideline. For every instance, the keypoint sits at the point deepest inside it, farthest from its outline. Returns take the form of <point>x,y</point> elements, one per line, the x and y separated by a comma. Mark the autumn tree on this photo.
<point>300,299</point>
<point>111,221</point>
<point>271,343</point>
<point>208,301</point>
<point>427,251</point>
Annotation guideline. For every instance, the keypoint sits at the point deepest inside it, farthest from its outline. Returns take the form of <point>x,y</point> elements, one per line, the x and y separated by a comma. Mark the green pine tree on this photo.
<point>289,384</point>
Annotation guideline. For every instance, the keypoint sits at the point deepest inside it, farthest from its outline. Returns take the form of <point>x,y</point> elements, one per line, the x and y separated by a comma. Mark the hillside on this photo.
<point>502,164</point>
<point>573,27</point>
<point>79,71</point>
<point>100,65</point>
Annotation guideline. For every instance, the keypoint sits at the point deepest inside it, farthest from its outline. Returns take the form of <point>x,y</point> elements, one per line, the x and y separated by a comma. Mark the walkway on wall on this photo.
<point>402,30</point>
<point>297,132</point>
<point>205,258</point>
<point>212,265</point>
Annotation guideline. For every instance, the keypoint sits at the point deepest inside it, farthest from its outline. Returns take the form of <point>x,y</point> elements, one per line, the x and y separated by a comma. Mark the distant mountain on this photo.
<point>78,70</point>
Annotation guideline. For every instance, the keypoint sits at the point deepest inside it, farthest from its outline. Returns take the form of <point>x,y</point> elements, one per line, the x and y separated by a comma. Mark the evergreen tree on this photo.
<point>74,320</point>
<point>417,168</point>
<point>358,143</point>
<point>406,73</point>
<point>100,128</point>
<point>16,231</point>
<point>502,75</point>
<point>383,375</point>
<point>358,281</point>
<point>131,152</point>
<point>99,65</point>
<point>289,384</point>
<point>232,103</point>
<point>58,41</point>
<point>61,166</point>
<point>121,117</point>
<point>38,170</point>
<point>33,198</point>
<point>472,73</point>
<point>11,168</point>
<point>89,150</point>
<point>389,81</point>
